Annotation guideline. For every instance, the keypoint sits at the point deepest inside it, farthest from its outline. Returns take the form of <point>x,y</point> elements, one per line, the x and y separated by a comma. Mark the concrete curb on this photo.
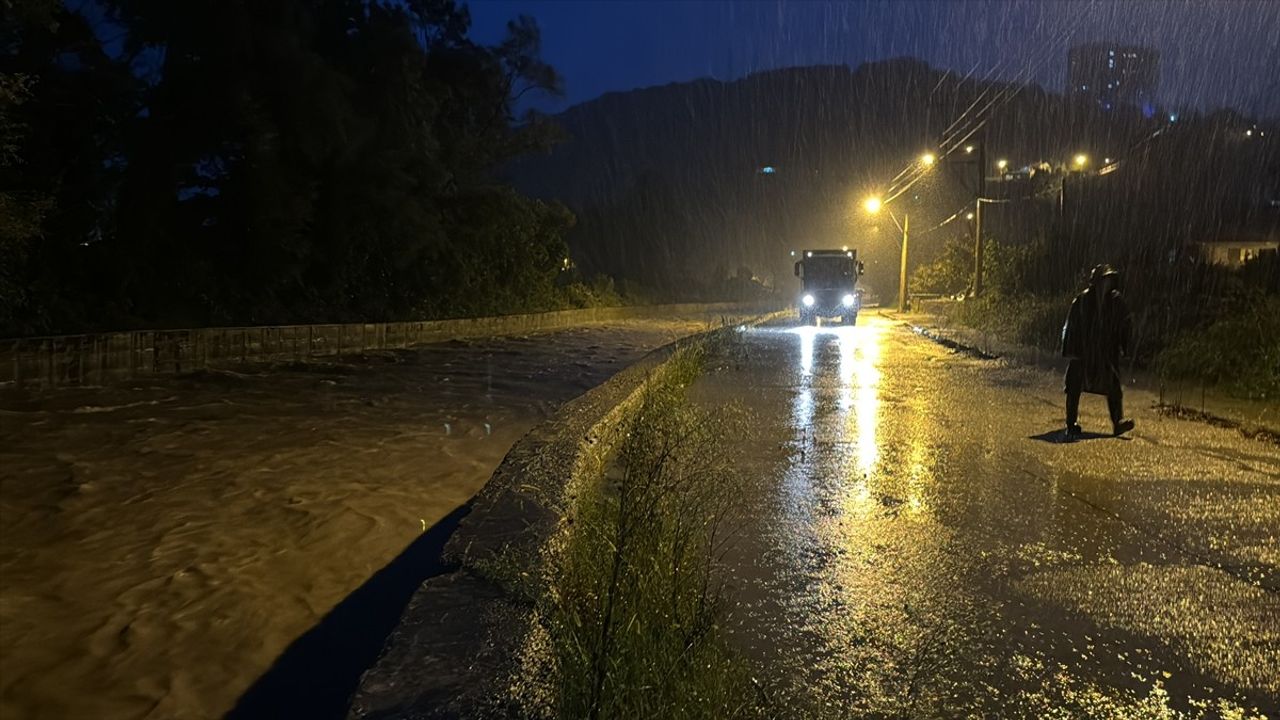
<point>458,643</point>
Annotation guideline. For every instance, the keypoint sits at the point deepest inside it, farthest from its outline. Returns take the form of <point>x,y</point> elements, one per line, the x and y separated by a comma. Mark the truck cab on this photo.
<point>829,279</point>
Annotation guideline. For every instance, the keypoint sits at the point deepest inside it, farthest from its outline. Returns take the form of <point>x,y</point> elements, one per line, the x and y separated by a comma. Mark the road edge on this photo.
<point>1262,431</point>
<point>455,649</point>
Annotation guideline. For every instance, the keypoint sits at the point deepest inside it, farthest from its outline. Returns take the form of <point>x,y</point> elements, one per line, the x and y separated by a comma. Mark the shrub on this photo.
<point>1238,350</point>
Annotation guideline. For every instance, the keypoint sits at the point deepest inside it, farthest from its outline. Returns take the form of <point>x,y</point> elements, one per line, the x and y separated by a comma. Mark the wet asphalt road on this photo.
<point>922,541</point>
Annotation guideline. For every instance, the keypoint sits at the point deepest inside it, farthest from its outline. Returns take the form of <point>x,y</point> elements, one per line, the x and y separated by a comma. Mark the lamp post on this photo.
<point>873,206</point>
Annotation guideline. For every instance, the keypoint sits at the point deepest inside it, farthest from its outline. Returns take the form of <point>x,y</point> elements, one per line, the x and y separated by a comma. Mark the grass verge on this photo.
<point>635,609</point>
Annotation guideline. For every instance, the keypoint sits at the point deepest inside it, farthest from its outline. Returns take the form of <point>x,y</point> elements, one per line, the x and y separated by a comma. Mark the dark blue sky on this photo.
<point>1216,53</point>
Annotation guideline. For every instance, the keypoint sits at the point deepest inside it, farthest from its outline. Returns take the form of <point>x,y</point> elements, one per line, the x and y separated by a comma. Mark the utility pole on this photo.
<point>978,246</point>
<point>902,273</point>
<point>978,249</point>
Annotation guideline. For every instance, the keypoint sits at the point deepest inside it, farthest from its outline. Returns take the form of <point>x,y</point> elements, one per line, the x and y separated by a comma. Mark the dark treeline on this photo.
<point>318,160</point>
<point>265,161</point>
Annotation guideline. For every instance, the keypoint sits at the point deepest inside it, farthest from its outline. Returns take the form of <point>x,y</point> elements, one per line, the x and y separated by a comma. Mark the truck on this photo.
<point>829,285</point>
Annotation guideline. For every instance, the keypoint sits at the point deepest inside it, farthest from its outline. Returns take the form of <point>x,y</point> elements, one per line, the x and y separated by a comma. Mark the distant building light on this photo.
<point>768,170</point>
<point>1249,132</point>
<point>1173,117</point>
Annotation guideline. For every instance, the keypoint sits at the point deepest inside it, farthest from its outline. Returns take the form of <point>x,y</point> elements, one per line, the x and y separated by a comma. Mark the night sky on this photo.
<point>1213,54</point>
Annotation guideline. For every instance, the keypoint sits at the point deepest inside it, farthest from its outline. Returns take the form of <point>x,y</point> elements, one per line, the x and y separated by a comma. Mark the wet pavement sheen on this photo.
<point>925,543</point>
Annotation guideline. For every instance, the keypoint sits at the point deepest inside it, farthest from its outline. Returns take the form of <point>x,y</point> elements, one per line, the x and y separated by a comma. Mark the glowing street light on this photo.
<point>968,216</point>
<point>1001,165</point>
<point>873,205</point>
<point>928,159</point>
<point>1081,160</point>
<point>968,149</point>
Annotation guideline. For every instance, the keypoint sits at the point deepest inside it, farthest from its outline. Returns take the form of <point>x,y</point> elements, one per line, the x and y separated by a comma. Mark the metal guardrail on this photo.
<point>92,359</point>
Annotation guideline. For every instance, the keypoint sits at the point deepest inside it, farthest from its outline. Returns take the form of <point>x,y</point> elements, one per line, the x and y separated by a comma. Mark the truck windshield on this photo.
<point>827,272</point>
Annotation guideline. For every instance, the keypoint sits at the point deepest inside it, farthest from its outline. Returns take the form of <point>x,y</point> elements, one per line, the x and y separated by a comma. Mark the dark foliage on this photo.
<point>267,161</point>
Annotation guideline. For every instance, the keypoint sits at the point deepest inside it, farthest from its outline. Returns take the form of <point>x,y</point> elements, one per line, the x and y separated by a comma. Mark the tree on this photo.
<point>258,161</point>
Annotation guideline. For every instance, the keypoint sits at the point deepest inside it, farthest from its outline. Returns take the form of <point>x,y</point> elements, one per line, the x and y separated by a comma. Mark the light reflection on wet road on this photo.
<point>921,546</point>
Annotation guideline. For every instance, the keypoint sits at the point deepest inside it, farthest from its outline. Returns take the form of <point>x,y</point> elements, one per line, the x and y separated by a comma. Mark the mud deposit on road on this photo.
<point>165,540</point>
<point>928,544</point>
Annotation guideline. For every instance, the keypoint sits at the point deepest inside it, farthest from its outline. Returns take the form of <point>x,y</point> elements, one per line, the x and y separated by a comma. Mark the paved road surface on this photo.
<point>164,542</point>
<point>925,544</point>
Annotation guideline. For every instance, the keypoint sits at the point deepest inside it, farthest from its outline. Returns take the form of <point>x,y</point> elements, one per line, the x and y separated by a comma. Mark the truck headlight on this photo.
<point>847,300</point>
<point>807,300</point>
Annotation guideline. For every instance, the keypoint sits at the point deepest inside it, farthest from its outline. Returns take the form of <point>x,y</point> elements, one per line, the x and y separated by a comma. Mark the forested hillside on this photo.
<point>677,186</point>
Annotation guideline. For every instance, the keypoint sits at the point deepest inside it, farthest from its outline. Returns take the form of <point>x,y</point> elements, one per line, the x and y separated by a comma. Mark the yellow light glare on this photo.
<point>968,216</point>
<point>872,205</point>
<point>928,159</point>
<point>1002,164</point>
<point>1081,160</point>
<point>968,148</point>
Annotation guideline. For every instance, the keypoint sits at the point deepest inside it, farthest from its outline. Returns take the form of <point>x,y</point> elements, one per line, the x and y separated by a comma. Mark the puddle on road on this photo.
<point>882,574</point>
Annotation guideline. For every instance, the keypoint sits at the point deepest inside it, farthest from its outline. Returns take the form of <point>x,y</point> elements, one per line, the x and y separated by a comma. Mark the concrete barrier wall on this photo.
<point>464,646</point>
<point>105,357</point>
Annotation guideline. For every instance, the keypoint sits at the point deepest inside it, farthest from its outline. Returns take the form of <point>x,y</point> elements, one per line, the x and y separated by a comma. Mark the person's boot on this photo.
<point>1073,413</point>
<point>1115,407</point>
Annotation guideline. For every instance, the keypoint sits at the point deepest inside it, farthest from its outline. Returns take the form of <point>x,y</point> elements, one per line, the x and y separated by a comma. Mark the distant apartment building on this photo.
<point>1114,75</point>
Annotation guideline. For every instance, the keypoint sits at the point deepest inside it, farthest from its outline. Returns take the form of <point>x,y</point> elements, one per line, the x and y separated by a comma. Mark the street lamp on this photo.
<point>928,159</point>
<point>1081,160</point>
<point>873,205</point>
<point>1001,165</point>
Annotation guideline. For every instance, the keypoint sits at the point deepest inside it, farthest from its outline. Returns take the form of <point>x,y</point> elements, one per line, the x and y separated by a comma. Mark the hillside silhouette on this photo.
<point>676,187</point>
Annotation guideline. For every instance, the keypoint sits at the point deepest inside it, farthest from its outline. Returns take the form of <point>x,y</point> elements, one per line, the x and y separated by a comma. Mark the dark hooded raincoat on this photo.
<point>1096,332</point>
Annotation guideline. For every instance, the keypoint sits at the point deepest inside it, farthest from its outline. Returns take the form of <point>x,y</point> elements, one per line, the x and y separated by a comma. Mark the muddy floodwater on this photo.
<point>165,540</point>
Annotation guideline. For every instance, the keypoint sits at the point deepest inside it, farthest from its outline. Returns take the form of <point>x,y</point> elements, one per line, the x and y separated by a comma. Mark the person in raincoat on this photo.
<point>1095,334</point>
